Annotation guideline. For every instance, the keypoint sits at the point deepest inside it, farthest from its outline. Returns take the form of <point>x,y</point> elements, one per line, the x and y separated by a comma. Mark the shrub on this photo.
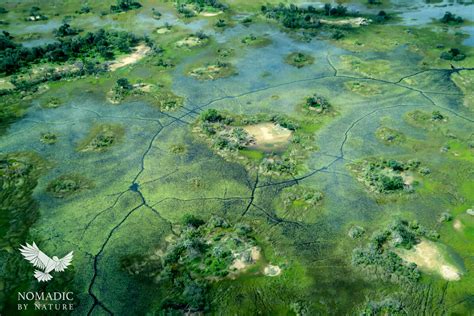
<point>192,221</point>
<point>437,116</point>
<point>449,17</point>
<point>211,115</point>
<point>453,54</point>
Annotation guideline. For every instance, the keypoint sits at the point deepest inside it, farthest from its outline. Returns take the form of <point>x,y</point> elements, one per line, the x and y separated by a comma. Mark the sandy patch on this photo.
<point>163,30</point>
<point>356,22</point>
<point>139,52</point>
<point>271,270</point>
<point>6,84</point>
<point>457,225</point>
<point>210,72</point>
<point>428,256</point>
<point>242,260</point>
<point>407,179</point>
<point>145,87</point>
<point>190,41</point>
<point>268,135</point>
<point>208,14</point>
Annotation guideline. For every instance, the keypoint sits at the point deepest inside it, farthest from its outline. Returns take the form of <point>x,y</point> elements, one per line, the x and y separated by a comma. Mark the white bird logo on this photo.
<point>40,260</point>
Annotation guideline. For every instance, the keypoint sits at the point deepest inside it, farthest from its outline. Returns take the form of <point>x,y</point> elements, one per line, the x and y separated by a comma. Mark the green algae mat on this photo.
<point>231,157</point>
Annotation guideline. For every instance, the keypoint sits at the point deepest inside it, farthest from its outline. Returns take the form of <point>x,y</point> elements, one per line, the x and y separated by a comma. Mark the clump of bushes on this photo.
<point>379,258</point>
<point>36,15</point>
<point>65,30</point>
<point>299,59</point>
<point>189,8</point>
<point>48,138</point>
<point>221,23</point>
<point>389,135</point>
<point>445,217</point>
<point>387,176</point>
<point>388,306</point>
<point>204,250</point>
<point>124,6</point>
<point>317,103</point>
<point>67,185</point>
<point>211,116</point>
<point>102,137</point>
<point>294,17</point>
<point>356,232</point>
<point>277,165</point>
<point>299,196</point>
<point>453,54</point>
<point>437,116</point>
<point>449,17</point>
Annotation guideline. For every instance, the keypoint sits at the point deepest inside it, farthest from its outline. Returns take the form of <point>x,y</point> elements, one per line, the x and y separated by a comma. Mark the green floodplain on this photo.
<point>233,157</point>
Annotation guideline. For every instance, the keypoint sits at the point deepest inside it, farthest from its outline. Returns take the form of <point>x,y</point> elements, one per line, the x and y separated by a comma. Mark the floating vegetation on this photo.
<point>178,149</point>
<point>363,88</point>
<point>51,103</point>
<point>256,41</point>
<point>425,120</point>
<point>102,137</point>
<point>389,136</point>
<point>299,203</point>
<point>160,96</point>
<point>368,68</point>
<point>167,100</point>
<point>213,71</point>
<point>12,109</point>
<point>67,185</point>
<point>299,60</point>
<point>48,138</point>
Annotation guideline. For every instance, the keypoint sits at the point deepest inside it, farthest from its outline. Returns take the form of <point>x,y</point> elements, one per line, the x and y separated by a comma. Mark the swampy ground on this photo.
<point>246,165</point>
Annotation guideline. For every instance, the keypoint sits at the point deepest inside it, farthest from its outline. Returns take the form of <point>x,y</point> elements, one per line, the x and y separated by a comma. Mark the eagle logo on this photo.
<point>44,263</point>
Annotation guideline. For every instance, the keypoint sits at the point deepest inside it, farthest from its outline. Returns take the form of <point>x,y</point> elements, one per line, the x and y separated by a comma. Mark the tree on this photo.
<point>65,30</point>
<point>192,221</point>
<point>123,84</point>
<point>211,115</point>
<point>448,17</point>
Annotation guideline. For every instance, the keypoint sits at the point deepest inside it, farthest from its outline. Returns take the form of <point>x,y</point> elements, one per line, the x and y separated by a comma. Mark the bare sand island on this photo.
<point>354,22</point>
<point>268,136</point>
<point>271,270</point>
<point>245,259</point>
<point>429,257</point>
<point>190,41</point>
<point>140,51</point>
<point>209,14</point>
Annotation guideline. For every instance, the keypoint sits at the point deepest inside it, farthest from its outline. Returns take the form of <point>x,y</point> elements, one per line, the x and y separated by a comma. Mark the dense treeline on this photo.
<point>188,8</point>
<point>125,5</point>
<point>308,17</point>
<point>13,56</point>
<point>293,16</point>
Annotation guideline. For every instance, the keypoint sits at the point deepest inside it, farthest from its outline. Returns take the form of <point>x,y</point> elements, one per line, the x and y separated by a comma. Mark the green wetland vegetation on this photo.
<point>239,157</point>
